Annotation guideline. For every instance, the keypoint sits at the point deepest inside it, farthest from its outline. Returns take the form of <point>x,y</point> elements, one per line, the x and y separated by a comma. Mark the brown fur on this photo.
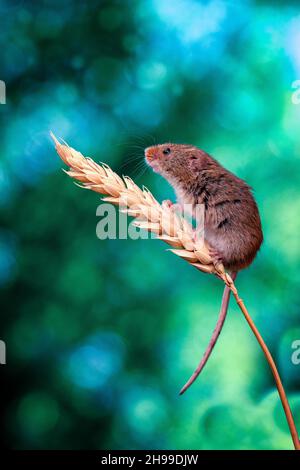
<point>232,222</point>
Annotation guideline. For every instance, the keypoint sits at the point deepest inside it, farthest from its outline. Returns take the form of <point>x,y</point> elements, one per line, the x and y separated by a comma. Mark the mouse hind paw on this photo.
<point>216,256</point>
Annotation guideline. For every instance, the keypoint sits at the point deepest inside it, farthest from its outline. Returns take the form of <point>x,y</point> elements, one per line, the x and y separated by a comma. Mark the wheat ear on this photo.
<point>169,227</point>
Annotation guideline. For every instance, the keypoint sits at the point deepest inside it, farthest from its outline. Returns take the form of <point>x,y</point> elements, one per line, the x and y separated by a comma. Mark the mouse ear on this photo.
<point>193,160</point>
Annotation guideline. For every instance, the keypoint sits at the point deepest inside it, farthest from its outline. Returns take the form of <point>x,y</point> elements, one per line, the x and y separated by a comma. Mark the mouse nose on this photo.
<point>150,152</point>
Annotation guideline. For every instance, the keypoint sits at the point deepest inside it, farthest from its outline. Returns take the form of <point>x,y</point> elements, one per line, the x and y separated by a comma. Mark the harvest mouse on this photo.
<point>232,225</point>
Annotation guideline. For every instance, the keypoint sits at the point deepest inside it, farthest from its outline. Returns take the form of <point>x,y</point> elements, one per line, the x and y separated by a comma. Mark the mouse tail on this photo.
<point>214,338</point>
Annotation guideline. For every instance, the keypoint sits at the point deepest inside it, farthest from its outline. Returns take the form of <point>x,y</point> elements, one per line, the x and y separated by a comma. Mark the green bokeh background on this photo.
<point>101,335</point>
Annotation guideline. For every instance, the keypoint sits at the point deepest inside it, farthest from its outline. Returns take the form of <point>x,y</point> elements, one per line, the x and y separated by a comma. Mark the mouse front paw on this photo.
<point>174,206</point>
<point>167,203</point>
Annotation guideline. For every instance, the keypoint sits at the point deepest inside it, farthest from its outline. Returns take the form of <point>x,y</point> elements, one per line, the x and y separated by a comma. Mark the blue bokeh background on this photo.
<point>101,335</point>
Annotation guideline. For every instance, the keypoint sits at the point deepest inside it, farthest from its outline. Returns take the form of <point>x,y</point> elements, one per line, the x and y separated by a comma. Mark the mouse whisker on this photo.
<point>140,169</point>
<point>131,145</point>
<point>135,137</point>
<point>131,160</point>
<point>143,170</point>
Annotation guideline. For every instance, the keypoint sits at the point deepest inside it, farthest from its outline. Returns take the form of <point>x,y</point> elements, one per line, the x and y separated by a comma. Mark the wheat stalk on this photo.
<point>169,227</point>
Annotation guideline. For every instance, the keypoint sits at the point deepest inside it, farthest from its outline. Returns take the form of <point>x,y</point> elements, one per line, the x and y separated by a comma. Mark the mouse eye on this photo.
<point>167,151</point>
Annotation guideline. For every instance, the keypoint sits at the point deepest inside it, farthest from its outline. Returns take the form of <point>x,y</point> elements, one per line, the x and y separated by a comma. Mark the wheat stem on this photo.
<point>272,365</point>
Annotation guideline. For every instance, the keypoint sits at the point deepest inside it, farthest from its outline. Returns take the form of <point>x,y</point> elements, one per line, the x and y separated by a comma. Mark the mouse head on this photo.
<point>177,163</point>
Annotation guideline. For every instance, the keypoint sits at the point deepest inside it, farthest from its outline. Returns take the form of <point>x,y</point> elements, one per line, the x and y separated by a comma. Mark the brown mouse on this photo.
<point>232,225</point>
